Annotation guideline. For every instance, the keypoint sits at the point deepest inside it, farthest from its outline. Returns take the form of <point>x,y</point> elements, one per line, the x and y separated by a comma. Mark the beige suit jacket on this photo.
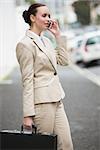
<point>38,64</point>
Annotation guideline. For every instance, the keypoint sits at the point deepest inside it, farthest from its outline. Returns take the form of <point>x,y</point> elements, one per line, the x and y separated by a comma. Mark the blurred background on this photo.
<point>79,21</point>
<point>75,17</point>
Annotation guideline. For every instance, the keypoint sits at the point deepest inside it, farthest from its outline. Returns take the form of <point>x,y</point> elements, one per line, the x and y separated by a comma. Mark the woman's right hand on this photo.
<point>27,122</point>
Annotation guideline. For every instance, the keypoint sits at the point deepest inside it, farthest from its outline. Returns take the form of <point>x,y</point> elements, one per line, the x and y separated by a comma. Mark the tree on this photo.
<point>82,9</point>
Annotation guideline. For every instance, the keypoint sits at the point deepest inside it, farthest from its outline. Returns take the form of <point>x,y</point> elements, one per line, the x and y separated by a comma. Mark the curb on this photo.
<point>5,77</point>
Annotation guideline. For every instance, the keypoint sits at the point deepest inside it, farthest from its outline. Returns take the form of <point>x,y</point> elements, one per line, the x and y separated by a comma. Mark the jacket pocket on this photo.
<point>41,84</point>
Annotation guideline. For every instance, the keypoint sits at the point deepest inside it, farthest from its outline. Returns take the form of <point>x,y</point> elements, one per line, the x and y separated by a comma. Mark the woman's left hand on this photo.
<point>54,28</point>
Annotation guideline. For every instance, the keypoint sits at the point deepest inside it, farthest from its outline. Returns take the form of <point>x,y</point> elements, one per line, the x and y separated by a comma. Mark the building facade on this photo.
<point>7,36</point>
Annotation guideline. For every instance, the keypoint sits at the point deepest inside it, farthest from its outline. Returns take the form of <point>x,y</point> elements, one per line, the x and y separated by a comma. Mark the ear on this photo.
<point>32,18</point>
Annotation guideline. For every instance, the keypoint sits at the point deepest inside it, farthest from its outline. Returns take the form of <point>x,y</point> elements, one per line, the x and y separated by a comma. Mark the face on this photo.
<point>42,18</point>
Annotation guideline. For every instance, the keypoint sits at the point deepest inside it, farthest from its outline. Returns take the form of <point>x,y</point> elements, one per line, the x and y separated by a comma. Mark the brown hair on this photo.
<point>32,10</point>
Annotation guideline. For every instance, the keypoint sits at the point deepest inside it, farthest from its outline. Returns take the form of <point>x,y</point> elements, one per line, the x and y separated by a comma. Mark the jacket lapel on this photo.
<point>42,47</point>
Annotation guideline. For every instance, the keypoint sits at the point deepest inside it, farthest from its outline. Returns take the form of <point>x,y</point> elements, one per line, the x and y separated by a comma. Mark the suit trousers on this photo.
<point>51,118</point>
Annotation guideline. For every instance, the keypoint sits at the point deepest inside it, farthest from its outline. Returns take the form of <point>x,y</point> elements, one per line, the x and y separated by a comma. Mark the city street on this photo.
<point>82,104</point>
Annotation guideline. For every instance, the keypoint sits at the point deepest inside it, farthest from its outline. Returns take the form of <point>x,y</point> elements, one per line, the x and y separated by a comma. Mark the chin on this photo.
<point>46,28</point>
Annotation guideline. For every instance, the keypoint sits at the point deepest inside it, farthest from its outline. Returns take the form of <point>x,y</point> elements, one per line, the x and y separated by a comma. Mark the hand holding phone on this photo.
<point>54,27</point>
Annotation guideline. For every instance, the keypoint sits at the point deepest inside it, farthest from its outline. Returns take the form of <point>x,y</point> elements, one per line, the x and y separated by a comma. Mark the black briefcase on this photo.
<point>18,140</point>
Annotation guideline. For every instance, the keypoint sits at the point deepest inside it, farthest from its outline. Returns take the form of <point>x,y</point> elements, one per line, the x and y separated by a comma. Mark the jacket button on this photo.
<point>55,73</point>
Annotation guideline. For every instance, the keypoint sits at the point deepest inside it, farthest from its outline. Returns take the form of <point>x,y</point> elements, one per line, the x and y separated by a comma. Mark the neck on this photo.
<point>35,30</point>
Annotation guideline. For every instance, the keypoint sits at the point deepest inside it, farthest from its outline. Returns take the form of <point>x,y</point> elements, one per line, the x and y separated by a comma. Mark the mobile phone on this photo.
<point>49,24</point>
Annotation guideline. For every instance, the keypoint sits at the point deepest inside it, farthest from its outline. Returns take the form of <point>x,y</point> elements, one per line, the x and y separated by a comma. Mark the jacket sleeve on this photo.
<point>26,62</point>
<point>61,52</point>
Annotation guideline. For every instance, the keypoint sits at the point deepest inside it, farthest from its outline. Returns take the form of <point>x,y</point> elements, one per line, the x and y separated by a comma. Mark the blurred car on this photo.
<point>91,28</point>
<point>74,50</point>
<point>88,49</point>
<point>73,38</point>
<point>69,35</point>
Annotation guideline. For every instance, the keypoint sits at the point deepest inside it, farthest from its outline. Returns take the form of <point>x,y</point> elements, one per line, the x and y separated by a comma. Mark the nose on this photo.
<point>48,18</point>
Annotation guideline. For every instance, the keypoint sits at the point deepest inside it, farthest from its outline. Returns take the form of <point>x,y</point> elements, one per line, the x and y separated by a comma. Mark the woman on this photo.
<point>42,91</point>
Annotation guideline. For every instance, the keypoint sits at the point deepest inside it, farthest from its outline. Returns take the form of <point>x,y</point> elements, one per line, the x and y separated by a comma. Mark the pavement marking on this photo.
<point>86,73</point>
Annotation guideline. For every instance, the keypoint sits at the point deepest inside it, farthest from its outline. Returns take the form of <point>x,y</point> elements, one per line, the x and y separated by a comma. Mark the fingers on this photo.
<point>52,23</point>
<point>27,127</point>
<point>27,122</point>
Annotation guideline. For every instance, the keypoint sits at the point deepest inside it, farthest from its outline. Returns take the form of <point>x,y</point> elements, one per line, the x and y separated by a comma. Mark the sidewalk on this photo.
<point>5,75</point>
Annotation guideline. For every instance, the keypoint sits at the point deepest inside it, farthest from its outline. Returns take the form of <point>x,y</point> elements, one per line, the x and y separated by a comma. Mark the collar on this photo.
<point>33,35</point>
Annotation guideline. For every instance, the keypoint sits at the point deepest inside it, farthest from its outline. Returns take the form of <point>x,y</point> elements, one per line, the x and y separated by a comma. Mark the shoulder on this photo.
<point>25,44</point>
<point>25,41</point>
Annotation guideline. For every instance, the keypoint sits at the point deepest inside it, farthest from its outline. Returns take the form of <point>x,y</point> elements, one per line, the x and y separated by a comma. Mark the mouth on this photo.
<point>47,25</point>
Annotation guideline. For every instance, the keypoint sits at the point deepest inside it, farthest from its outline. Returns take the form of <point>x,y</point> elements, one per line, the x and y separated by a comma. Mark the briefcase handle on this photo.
<point>34,129</point>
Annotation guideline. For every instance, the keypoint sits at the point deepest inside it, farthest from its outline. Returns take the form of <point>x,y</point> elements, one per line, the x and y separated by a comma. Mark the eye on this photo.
<point>49,16</point>
<point>45,15</point>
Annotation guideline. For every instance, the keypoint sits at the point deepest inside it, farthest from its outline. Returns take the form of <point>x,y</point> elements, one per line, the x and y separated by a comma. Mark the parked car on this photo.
<point>89,48</point>
<point>74,50</point>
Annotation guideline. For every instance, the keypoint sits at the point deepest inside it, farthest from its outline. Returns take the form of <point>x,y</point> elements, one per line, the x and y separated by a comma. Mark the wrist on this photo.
<point>57,35</point>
